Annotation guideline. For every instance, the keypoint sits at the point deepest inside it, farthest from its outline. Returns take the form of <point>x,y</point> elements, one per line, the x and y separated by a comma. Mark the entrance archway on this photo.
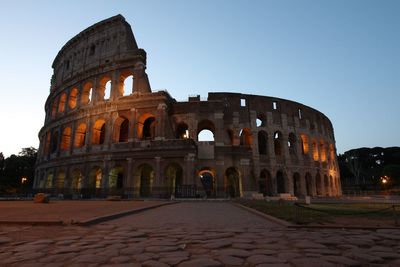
<point>232,182</point>
<point>173,175</point>
<point>95,178</point>
<point>297,184</point>
<point>280,181</point>
<point>265,183</point>
<point>116,179</point>
<point>207,178</point>
<point>145,174</point>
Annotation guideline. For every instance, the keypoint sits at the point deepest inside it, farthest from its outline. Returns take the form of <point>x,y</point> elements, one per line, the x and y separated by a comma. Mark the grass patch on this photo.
<point>325,213</point>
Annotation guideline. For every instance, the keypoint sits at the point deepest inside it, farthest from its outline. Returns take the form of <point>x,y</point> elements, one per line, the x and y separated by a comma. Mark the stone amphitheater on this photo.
<point>107,133</point>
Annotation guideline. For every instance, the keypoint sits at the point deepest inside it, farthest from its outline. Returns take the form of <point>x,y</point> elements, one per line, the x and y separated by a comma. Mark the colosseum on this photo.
<point>107,133</point>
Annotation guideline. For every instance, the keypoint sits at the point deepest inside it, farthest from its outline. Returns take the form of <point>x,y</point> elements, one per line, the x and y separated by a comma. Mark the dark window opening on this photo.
<point>92,50</point>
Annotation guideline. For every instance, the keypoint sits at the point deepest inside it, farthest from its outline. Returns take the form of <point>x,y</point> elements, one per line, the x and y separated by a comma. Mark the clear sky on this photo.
<point>341,57</point>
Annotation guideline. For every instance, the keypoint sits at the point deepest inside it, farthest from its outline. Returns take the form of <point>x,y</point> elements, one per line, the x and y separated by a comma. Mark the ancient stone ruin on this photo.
<point>106,133</point>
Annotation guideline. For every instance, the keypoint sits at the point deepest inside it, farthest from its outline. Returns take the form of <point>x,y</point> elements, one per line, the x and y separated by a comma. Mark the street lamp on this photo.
<point>385,179</point>
<point>23,181</point>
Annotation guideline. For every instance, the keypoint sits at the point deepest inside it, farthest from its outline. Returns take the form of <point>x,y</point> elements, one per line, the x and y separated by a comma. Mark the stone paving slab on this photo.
<point>69,211</point>
<point>196,234</point>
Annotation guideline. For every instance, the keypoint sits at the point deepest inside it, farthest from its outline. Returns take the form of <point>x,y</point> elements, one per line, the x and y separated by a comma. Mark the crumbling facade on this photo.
<point>106,132</point>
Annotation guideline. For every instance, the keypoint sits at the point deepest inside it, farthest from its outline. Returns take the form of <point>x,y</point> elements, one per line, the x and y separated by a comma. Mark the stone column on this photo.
<point>188,175</point>
<point>88,135</point>
<point>219,128</point>
<point>157,176</point>
<point>133,126</point>
<point>105,172</point>
<point>161,121</point>
<point>115,84</point>
<point>128,183</point>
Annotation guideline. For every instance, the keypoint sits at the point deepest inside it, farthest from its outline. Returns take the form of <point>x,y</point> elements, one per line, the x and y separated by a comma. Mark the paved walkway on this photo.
<point>195,234</point>
<point>67,211</point>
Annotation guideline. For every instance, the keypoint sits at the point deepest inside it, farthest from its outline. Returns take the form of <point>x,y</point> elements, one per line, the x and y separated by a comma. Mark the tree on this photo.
<point>16,167</point>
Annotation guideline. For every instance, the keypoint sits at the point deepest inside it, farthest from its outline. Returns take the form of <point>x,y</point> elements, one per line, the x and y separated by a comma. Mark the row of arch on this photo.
<point>146,124</point>
<point>321,149</point>
<point>298,185</point>
<point>120,133</point>
<point>143,183</point>
<point>92,91</point>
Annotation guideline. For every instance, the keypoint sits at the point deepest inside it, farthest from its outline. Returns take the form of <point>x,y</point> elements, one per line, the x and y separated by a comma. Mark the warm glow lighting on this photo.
<point>23,180</point>
<point>384,179</point>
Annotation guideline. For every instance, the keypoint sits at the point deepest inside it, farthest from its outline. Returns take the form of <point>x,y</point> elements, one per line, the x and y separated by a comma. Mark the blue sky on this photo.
<point>340,57</point>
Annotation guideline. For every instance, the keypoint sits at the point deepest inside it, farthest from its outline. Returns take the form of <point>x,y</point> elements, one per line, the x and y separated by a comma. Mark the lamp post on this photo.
<point>385,181</point>
<point>23,181</point>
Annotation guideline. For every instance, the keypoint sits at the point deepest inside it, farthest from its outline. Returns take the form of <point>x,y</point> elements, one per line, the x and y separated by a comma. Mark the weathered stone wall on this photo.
<point>103,136</point>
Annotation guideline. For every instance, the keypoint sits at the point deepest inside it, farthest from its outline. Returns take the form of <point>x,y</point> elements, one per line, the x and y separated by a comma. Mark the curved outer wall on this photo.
<point>139,143</point>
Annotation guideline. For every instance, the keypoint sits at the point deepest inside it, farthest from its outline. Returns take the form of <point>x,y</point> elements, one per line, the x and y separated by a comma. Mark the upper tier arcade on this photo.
<point>100,47</point>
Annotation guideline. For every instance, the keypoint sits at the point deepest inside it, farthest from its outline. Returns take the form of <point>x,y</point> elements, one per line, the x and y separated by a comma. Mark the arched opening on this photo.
<point>54,142</point>
<point>205,131</point>
<point>292,144</point>
<point>278,143</point>
<point>207,179</point>
<point>262,142</point>
<point>315,150</point>
<point>104,91</point>
<point>73,95</point>
<point>77,179</point>
<point>95,179</point>
<point>304,144</point>
<point>232,182</point>
<point>245,137</point>
<point>107,92</point>
<point>174,178</point>
<point>60,180</point>
<point>309,184</point>
<point>126,82</point>
<point>327,185</point>
<point>99,132</point>
<point>297,184</point>
<point>265,183</point>
<point>87,93</point>
<point>146,126</point>
<point>116,179</point>
<point>49,181</point>
<point>260,121</point>
<point>66,138</point>
<point>149,128</point>
<point>61,104</point>
<point>318,182</point>
<point>80,136</point>
<point>121,130</point>
<point>280,182</point>
<point>128,86</point>
<point>322,151</point>
<point>146,177</point>
<point>205,136</point>
<point>182,131</point>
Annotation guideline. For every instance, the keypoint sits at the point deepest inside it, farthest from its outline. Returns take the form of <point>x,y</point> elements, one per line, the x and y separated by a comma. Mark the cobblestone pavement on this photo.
<point>195,234</point>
